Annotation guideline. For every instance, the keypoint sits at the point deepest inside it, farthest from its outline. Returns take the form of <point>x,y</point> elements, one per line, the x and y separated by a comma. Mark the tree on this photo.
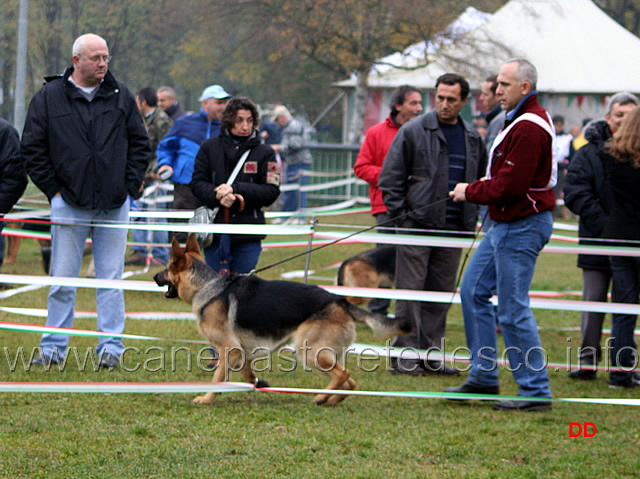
<point>625,12</point>
<point>349,37</point>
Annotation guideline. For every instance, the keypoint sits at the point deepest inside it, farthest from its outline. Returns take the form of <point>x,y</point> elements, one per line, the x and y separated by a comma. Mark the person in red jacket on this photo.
<point>519,192</point>
<point>406,103</point>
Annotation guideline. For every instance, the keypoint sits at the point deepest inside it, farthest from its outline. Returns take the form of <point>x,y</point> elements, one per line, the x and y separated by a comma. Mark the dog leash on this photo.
<point>308,252</point>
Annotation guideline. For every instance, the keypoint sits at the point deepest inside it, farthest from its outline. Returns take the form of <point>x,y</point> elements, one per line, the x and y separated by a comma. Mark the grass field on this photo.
<point>284,435</point>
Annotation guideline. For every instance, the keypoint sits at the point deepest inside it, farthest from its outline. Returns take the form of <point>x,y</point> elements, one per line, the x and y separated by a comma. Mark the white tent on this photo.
<point>581,54</point>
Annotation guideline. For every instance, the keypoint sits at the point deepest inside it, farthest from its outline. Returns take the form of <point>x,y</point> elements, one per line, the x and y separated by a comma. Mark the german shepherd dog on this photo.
<point>370,269</point>
<point>242,314</point>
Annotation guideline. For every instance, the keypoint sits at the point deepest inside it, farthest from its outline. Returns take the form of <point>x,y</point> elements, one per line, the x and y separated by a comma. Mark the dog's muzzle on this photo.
<point>162,280</point>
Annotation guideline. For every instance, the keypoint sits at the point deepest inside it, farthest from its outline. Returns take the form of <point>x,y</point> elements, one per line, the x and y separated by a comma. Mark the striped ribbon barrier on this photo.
<point>231,387</point>
<point>398,294</point>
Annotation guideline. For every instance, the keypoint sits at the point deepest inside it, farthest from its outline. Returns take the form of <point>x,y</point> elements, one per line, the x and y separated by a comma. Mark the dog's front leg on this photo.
<point>229,356</point>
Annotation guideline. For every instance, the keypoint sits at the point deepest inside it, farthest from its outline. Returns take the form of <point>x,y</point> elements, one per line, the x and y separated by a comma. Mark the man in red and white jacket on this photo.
<point>519,191</point>
<point>406,103</point>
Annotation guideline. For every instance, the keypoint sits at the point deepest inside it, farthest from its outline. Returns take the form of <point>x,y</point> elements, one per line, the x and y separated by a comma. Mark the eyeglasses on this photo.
<point>97,58</point>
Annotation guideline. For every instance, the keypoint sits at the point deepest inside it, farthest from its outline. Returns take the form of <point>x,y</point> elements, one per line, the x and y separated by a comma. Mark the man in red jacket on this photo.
<point>519,192</point>
<point>406,103</point>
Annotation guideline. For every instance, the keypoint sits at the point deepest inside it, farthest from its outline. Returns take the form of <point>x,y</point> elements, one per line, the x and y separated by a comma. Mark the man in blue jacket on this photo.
<point>177,151</point>
<point>85,146</point>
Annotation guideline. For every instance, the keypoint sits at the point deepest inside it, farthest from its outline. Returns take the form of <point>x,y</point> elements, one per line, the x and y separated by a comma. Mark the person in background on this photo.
<point>168,102</point>
<point>296,159</point>
<point>255,187</point>
<point>86,147</point>
<point>405,104</point>
<point>157,123</point>
<point>496,115</point>
<point>13,177</point>
<point>623,225</point>
<point>587,193</point>
<point>177,151</point>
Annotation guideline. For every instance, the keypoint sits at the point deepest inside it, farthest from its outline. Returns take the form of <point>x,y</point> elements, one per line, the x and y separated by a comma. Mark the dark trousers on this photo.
<point>381,305</point>
<point>425,268</point>
<point>626,286</point>
<point>595,287</point>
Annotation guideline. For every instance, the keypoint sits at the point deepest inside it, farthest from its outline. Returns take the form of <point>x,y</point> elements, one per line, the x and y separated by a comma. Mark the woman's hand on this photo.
<point>228,200</point>
<point>222,191</point>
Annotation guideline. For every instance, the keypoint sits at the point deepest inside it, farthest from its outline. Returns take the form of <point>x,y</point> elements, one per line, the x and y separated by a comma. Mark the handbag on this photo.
<point>204,215</point>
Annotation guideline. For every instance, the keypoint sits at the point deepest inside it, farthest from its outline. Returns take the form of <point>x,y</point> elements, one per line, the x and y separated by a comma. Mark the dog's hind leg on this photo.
<point>340,379</point>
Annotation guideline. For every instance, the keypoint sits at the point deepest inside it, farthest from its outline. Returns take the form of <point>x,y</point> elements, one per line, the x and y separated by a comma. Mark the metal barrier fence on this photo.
<point>331,179</point>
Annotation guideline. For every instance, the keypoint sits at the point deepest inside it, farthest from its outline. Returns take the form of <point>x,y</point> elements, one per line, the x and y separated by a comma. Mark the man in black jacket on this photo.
<point>85,146</point>
<point>587,194</point>
<point>13,179</point>
<point>427,157</point>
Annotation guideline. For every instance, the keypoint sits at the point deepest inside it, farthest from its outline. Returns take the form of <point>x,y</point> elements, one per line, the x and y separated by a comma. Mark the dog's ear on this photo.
<point>192,245</point>
<point>176,249</point>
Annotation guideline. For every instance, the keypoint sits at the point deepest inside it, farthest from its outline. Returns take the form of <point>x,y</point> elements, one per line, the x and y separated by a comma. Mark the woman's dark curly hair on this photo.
<point>232,108</point>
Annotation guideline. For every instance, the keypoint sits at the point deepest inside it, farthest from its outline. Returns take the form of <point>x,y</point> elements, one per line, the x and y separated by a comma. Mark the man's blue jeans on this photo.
<point>626,286</point>
<point>505,262</point>
<point>109,245</point>
<point>295,200</point>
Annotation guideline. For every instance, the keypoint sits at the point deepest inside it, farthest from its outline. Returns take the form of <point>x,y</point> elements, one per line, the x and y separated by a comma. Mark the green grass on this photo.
<point>281,435</point>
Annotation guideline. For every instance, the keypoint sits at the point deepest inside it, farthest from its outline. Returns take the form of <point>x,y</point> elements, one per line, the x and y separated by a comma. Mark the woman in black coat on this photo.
<point>623,224</point>
<point>256,186</point>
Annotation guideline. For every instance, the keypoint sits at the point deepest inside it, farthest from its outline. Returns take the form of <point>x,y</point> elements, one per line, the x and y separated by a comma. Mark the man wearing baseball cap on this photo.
<point>177,151</point>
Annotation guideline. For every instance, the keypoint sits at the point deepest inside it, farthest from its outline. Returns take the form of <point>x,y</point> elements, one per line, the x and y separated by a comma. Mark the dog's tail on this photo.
<point>380,323</point>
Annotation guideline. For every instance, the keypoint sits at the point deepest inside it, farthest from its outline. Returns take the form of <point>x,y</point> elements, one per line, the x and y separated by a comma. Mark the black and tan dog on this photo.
<point>370,269</point>
<point>243,314</point>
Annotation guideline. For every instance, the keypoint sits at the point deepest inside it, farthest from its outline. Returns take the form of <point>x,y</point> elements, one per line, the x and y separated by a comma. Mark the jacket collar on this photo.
<point>430,121</point>
<point>525,101</point>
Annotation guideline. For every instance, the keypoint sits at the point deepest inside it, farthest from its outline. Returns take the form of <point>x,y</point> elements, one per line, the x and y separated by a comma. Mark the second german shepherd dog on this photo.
<point>242,314</point>
<point>370,269</point>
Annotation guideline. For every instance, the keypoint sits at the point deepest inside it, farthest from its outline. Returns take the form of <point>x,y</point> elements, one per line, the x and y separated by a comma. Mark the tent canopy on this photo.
<point>575,46</point>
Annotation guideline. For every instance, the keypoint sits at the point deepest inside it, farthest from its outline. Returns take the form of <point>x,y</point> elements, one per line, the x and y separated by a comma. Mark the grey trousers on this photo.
<point>595,286</point>
<point>425,269</point>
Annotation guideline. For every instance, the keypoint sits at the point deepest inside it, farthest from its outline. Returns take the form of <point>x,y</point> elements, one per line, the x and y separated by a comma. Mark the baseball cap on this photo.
<point>214,91</point>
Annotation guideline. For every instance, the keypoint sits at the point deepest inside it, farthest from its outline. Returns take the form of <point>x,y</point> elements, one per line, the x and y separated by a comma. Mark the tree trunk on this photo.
<point>359,105</point>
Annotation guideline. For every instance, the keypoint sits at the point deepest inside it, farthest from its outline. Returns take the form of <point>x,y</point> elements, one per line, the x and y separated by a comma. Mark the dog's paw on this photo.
<point>202,400</point>
<point>321,399</point>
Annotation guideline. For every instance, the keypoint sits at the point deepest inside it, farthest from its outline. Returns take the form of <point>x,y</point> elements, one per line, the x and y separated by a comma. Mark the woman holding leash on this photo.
<point>255,184</point>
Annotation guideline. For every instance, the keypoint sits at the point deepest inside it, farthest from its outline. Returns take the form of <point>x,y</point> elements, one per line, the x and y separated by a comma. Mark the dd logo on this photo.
<point>576,429</point>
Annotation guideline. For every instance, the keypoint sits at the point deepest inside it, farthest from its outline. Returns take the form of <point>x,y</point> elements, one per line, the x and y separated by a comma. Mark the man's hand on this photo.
<point>458,193</point>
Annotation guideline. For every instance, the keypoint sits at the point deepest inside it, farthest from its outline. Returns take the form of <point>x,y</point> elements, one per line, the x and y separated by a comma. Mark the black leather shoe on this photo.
<point>470,388</point>
<point>631,382</point>
<point>439,367</point>
<point>524,405</point>
<point>583,374</point>
<point>109,361</point>
<point>410,368</point>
